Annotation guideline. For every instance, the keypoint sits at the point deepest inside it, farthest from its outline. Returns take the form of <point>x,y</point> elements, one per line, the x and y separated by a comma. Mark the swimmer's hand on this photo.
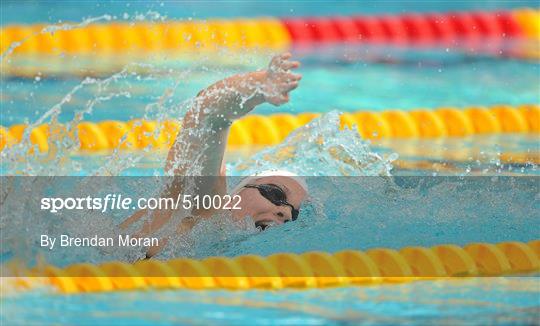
<point>278,80</point>
<point>234,97</point>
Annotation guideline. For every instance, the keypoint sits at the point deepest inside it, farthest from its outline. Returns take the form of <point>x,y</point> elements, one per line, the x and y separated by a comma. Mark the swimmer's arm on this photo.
<point>204,135</point>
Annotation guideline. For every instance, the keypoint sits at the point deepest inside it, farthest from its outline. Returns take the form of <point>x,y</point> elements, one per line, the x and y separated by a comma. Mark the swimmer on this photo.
<point>270,197</point>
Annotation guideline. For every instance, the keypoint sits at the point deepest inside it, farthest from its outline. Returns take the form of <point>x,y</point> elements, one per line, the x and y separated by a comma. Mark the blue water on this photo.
<point>343,213</point>
<point>488,301</point>
<point>445,81</point>
<point>414,79</point>
<point>53,11</point>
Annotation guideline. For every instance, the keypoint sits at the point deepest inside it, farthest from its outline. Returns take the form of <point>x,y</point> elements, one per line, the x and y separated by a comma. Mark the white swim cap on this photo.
<point>270,173</point>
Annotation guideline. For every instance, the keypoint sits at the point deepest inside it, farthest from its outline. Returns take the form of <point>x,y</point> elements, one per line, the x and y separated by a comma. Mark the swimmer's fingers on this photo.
<point>285,76</point>
<point>293,85</point>
<point>281,57</point>
<point>285,55</point>
<point>288,65</point>
<point>287,87</point>
<point>282,99</point>
<point>276,62</point>
<point>280,62</point>
<point>294,77</point>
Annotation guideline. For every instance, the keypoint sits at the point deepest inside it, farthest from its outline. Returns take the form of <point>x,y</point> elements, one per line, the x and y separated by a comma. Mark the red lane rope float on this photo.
<point>273,129</point>
<point>348,29</point>
<point>415,28</point>
<point>299,30</point>
<point>394,29</point>
<point>370,29</point>
<point>286,270</point>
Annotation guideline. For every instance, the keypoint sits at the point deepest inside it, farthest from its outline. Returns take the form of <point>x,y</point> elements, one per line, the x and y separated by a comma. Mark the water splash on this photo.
<point>24,157</point>
<point>319,148</point>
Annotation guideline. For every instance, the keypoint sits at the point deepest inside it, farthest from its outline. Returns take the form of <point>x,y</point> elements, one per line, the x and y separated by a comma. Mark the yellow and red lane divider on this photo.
<point>286,270</point>
<point>272,33</point>
<point>273,129</point>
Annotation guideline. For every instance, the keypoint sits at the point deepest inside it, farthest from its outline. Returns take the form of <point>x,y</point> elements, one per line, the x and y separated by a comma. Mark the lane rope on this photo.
<point>286,270</point>
<point>148,37</point>
<point>417,28</point>
<point>272,129</point>
<point>274,33</point>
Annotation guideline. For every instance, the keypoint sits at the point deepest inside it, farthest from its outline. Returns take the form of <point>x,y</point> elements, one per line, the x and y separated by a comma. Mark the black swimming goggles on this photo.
<point>275,195</point>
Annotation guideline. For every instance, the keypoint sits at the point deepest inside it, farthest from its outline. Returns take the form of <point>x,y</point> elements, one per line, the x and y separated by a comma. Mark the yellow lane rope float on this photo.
<point>145,37</point>
<point>529,21</point>
<point>286,270</point>
<point>272,129</point>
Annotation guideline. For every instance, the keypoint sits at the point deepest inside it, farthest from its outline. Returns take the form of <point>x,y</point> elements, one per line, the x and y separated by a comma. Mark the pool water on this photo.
<point>354,86</point>
<point>378,79</point>
<point>27,12</point>
<point>356,213</point>
<point>440,80</point>
<point>485,301</point>
<point>437,80</point>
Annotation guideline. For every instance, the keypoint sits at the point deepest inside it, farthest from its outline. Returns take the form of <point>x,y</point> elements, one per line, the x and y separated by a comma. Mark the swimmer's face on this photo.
<point>263,212</point>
